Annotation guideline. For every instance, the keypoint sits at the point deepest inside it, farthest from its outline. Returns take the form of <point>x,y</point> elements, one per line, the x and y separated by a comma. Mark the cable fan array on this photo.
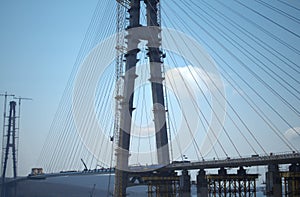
<point>255,48</point>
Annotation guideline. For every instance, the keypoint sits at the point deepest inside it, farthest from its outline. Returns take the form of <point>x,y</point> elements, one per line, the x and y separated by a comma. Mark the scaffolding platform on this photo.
<point>291,181</point>
<point>232,185</point>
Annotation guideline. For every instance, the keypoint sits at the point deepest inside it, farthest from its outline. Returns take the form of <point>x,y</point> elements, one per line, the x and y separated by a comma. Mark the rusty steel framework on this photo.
<point>291,181</point>
<point>158,186</point>
<point>232,185</point>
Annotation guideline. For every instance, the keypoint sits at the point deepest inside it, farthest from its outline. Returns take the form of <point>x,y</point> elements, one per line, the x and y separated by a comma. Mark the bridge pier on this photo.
<point>273,181</point>
<point>222,171</point>
<point>202,186</point>
<point>185,184</point>
<point>294,183</point>
<point>292,180</point>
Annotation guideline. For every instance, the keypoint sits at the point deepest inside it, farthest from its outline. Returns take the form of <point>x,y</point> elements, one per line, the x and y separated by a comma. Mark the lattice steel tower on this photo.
<point>155,55</point>
<point>11,140</point>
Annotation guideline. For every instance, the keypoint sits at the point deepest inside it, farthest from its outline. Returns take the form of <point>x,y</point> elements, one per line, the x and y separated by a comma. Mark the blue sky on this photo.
<point>40,40</point>
<point>39,44</point>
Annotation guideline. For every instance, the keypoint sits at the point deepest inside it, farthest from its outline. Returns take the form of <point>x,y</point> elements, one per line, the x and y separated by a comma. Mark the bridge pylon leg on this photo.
<point>273,181</point>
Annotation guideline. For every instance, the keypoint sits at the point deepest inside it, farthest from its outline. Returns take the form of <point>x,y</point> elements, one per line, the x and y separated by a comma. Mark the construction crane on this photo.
<point>85,167</point>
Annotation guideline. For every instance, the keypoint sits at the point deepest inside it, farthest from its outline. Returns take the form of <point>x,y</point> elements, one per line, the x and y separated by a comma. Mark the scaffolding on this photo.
<point>232,185</point>
<point>291,181</point>
<point>162,186</point>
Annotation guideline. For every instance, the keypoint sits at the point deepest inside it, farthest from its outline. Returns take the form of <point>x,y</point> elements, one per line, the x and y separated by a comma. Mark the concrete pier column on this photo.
<point>273,181</point>
<point>294,180</point>
<point>185,184</point>
<point>222,171</point>
<point>241,171</point>
<point>202,185</point>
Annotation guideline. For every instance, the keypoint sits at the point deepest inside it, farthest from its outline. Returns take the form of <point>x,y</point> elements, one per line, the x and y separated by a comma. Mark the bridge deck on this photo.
<point>227,163</point>
<point>237,162</point>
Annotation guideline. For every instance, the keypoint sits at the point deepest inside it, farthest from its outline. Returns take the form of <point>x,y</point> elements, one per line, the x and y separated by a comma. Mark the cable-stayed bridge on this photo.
<point>224,84</point>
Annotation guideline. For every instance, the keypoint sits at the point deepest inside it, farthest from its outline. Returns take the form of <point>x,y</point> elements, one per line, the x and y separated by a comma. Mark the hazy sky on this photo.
<point>39,42</point>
